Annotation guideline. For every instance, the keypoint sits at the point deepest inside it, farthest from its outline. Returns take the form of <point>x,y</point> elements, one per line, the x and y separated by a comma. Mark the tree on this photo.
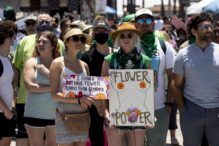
<point>162,9</point>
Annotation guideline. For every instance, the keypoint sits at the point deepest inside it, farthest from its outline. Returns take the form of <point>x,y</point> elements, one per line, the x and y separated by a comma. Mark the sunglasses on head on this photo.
<point>128,36</point>
<point>28,23</point>
<point>206,26</point>
<point>76,38</point>
<point>143,20</point>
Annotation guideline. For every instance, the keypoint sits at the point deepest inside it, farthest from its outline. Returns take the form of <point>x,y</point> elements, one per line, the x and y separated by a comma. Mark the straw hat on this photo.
<point>76,31</point>
<point>80,24</point>
<point>126,26</point>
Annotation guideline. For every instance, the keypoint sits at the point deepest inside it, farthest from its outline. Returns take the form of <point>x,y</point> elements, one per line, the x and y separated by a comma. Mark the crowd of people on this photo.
<point>36,61</point>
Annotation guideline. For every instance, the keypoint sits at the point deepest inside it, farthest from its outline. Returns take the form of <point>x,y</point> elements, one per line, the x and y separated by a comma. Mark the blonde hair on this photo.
<point>137,43</point>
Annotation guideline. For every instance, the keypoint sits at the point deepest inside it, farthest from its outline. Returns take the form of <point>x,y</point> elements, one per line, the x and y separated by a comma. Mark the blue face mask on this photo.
<point>44,26</point>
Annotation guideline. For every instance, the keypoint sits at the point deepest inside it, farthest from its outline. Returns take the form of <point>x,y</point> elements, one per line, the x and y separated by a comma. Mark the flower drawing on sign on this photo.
<point>100,96</point>
<point>120,85</point>
<point>73,76</point>
<point>80,94</point>
<point>143,84</point>
<point>133,114</point>
<point>71,94</point>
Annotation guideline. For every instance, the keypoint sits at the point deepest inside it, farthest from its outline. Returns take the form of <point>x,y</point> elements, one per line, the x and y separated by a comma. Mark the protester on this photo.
<point>8,32</point>
<point>126,38</point>
<point>40,109</point>
<point>9,13</point>
<point>216,33</point>
<point>64,25</point>
<point>195,66</point>
<point>162,60</point>
<point>30,23</point>
<point>87,29</point>
<point>62,68</point>
<point>94,58</point>
<point>23,52</point>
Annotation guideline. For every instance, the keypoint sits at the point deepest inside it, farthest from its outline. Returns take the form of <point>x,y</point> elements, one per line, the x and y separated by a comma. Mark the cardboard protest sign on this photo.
<point>131,97</point>
<point>75,86</point>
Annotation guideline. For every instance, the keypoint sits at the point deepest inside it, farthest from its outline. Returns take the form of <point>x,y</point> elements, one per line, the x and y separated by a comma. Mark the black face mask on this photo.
<point>101,38</point>
<point>44,27</point>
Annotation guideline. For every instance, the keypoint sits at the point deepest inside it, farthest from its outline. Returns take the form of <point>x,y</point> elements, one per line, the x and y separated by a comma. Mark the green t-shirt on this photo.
<point>23,52</point>
<point>111,59</point>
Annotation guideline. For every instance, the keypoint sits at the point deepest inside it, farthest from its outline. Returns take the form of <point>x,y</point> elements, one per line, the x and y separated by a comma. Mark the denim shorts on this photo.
<point>195,121</point>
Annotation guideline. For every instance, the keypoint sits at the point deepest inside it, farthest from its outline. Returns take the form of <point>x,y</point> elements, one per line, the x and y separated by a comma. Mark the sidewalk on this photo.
<point>178,135</point>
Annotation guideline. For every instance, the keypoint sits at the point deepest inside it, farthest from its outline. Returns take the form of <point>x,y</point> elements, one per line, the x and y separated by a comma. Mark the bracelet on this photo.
<point>170,104</point>
<point>79,102</point>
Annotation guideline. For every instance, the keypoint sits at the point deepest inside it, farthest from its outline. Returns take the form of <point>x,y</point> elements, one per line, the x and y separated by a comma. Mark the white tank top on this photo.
<point>6,88</point>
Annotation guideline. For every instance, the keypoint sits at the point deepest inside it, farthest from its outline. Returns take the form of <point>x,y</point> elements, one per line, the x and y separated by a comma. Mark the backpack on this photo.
<point>1,68</point>
<point>163,46</point>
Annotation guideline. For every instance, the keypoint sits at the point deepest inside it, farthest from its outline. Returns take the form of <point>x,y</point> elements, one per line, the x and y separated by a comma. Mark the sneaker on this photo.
<point>174,141</point>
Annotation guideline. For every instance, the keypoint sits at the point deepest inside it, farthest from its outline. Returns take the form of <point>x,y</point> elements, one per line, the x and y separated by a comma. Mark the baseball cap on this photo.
<point>143,11</point>
<point>31,17</point>
<point>101,24</point>
<point>128,18</point>
<point>9,13</point>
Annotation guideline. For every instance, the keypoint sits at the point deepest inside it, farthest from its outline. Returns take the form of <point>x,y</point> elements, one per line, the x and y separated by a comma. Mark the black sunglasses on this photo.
<point>128,36</point>
<point>28,23</point>
<point>76,38</point>
<point>206,26</point>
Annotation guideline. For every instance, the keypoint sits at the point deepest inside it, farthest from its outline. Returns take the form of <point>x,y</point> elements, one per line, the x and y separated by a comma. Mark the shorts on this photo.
<point>21,131</point>
<point>7,127</point>
<point>36,122</point>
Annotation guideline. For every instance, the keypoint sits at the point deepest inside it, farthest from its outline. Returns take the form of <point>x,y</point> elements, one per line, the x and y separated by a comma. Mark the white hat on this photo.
<point>143,11</point>
<point>31,17</point>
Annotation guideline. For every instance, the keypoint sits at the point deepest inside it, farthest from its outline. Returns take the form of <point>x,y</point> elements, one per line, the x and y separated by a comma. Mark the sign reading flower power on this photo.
<point>75,86</point>
<point>131,97</point>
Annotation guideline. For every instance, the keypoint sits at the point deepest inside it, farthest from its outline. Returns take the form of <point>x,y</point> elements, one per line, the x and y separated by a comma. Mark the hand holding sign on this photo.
<point>77,86</point>
<point>86,101</point>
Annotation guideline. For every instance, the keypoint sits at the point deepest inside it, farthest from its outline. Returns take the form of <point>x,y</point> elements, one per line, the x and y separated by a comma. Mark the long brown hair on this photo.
<point>54,41</point>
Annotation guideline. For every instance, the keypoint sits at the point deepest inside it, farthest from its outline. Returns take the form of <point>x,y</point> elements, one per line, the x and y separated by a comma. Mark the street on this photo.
<point>178,135</point>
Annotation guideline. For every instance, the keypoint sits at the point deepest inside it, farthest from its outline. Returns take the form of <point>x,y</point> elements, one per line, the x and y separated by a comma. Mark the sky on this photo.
<point>148,3</point>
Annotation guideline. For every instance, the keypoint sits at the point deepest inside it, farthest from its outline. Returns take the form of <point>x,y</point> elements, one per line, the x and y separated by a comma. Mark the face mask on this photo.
<point>44,27</point>
<point>101,38</point>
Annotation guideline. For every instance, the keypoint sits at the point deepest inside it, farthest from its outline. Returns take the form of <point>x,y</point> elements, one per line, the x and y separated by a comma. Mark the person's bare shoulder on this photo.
<point>58,62</point>
<point>31,62</point>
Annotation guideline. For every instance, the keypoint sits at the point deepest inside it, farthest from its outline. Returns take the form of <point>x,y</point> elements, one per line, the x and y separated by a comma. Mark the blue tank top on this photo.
<point>40,105</point>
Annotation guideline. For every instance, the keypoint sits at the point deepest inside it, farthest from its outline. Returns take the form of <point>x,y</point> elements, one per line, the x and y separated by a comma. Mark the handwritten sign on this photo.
<point>77,85</point>
<point>131,97</point>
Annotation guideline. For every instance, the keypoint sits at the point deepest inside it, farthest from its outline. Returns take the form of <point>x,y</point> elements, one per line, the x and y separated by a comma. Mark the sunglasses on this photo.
<point>128,36</point>
<point>29,23</point>
<point>44,22</point>
<point>76,38</point>
<point>206,26</point>
<point>143,20</point>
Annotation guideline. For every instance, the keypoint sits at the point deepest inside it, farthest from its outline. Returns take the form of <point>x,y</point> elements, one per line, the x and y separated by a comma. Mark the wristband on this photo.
<point>170,104</point>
